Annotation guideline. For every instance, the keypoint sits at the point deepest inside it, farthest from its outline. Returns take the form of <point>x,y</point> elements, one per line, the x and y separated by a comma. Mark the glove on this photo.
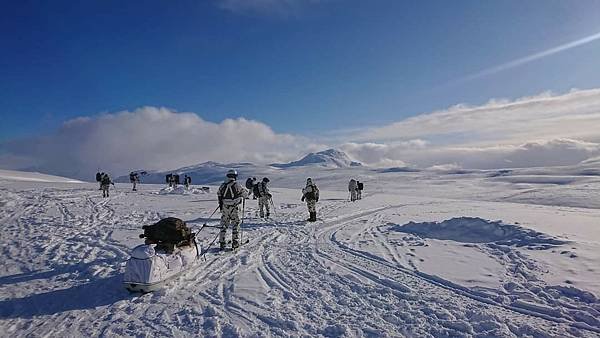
<point>317,200</point>
<point>302,199</point>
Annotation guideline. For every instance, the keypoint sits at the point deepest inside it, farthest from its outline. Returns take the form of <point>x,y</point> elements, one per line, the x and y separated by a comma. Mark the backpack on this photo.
<point>360,186</point>
<point>312,194</point>
<point>131,177</point>
<point>255,190</point>
<point>229,191</point>
<point>261,189</point>
<point>168,233</point>
<point>249,183</point>
<point>98,177</point>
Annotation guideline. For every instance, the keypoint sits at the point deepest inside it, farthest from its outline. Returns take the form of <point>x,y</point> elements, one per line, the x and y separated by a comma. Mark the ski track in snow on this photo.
<point>62,269</point>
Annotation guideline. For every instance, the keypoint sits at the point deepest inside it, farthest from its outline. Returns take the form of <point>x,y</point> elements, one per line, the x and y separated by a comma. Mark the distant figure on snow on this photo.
<point>134,178</point>
<point>169,179</point>
<point>353,189</point>
<point>251,186</point>
<point>231,194</point>
<point>310,193</point>
<point>360,189</point>
<point>105,183</point>
<point>264,197</point>
<point>99,179</point>
<point>187,181</point>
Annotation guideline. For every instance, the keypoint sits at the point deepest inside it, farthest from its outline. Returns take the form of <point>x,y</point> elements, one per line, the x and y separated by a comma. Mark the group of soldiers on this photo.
<point>104,180</point>
<point>134,178</point>
<point>173,180</point>
<point>355,189</point>
<point>232,195</point>
<point>260,192</point>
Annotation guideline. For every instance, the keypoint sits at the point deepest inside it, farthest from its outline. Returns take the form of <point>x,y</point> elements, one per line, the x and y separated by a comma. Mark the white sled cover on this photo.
<point>148,266</point>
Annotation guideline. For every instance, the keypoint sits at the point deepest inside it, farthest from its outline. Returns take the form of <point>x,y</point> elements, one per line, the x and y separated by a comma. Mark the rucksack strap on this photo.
<point>229,187</point>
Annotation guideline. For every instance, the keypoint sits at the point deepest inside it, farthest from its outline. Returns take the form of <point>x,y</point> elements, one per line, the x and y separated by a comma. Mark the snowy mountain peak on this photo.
<point>331,158</point>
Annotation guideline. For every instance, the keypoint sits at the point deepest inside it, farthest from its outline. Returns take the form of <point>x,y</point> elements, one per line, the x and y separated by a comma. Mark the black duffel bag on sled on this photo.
<point>167,234</point>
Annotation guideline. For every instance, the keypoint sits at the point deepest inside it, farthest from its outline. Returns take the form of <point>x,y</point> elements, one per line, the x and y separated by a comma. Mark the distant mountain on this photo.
<point>330,158</point>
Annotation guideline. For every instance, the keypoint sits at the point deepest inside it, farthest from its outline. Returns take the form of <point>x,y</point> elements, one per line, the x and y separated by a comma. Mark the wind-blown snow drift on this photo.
<point>478,230</point>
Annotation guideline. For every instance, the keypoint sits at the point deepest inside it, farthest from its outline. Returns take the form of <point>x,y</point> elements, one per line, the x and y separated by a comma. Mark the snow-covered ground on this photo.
<point>13,175</point>
<point>423,254</point>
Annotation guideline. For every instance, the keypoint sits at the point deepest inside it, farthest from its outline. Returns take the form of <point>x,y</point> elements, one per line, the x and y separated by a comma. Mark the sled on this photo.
<point>149,269</point>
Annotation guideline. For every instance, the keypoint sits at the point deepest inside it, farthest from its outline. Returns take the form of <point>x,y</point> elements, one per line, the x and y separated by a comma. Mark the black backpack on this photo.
<point>360,186</point>
<point>98,177</point>
<point>255,190</point>
<point>249,183</point>
<point>168,233</point>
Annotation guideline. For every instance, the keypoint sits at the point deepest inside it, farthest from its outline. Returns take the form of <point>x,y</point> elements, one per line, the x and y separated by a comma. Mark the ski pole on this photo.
<point>211,243</point>
<point>211,215</point>
<point>242,222</point>
<point>272,204</point>
<point>209,226</point>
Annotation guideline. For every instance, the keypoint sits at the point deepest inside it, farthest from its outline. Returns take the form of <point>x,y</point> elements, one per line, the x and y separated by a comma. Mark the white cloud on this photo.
<point>544,117</point>
<point>544,130</point>
<point>540,130</point>
<point>150,138</point>
<point>532,154</point>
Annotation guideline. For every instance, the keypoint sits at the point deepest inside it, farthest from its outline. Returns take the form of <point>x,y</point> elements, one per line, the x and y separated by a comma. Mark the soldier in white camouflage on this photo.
<point>231,194</point>
<point>310,194</point>
<point>353,189</point>
<point>264,197</point>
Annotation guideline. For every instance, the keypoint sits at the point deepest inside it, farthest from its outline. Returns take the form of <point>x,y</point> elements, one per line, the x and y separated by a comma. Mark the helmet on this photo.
<point>232,173</point>
<point>266,180</point>
<point>309,180</point>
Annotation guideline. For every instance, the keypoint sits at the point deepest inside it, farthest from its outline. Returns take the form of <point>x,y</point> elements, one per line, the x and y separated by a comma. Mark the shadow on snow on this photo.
<point>98,292</point>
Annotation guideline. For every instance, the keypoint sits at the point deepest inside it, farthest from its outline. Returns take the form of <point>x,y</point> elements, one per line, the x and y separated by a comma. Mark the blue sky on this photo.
<point>308,68</point>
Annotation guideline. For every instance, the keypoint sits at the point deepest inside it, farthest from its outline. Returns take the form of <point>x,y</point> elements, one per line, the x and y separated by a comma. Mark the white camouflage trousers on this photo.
<point>105,189</point>
<point>230,217</point>
<point>353,195</point>
<point>263,203</point>
<point>312,205</point>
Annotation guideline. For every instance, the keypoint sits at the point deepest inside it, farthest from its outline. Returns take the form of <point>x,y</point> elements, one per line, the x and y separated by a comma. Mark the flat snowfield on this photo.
<point>419,256</point>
